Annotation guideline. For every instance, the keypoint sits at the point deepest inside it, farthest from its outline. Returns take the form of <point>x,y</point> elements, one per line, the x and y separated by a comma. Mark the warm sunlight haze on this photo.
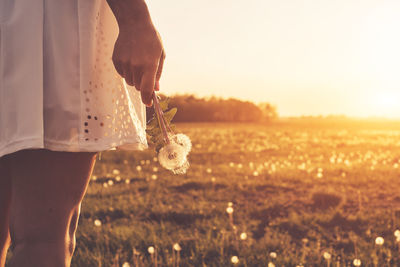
<point>313,57</point>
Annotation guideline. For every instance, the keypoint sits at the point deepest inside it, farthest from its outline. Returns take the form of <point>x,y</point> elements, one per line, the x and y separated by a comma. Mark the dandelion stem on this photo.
<point>160,118</point>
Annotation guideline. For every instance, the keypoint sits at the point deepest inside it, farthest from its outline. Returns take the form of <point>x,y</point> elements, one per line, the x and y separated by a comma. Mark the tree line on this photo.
<point>213,109</point>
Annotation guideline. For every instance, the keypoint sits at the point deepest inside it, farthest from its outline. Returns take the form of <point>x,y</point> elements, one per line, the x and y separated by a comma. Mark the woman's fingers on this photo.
<point>160,65</point>
<point>147,84</point>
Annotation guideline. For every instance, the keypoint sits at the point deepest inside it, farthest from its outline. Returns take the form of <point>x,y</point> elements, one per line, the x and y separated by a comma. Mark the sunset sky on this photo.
<point>307,57</point>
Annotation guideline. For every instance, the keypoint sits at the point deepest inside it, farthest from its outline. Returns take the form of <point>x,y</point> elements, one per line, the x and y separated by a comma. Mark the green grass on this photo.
<point>278,199</point>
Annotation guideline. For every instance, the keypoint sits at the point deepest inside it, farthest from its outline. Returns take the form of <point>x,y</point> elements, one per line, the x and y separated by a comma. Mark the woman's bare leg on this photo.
<point>5,199</point>
<point>47,190</point>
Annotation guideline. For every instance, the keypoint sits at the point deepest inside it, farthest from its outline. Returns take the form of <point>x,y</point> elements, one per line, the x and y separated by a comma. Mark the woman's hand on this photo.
<point>138,52</point>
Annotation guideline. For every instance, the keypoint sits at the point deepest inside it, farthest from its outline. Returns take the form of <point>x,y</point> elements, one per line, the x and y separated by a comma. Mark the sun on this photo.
<point>385,104</point>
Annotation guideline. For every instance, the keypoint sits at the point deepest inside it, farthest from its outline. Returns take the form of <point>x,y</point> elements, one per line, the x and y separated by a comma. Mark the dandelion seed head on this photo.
<point>357,262</point>
<point>172,156</point>
<point>182,169</point>
<point>229,210</point>
<point>327,255</point>
<point>177,247</point>
<point>379,241</point>
<point>235,259</point>
<point>97,222</point>
<point>151,250</point>
<point>243,236</point>
<point>184,141</point>
<point>397,233</point>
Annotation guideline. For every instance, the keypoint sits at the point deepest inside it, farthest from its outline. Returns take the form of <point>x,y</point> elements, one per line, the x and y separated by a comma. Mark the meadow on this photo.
<point>288,193</point>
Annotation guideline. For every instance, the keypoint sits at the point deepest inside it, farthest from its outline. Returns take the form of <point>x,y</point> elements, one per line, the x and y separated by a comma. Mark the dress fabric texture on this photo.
<point>58,87</point>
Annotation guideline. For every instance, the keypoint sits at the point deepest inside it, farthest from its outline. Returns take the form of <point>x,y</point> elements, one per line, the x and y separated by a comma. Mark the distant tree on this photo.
<point>213,109</point>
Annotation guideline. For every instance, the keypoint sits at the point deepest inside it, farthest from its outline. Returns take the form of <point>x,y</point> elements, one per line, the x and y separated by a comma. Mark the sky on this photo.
<point>306,57</point>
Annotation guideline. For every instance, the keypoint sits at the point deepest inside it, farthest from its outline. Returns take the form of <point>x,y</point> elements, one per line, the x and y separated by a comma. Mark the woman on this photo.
<point>61,101</point>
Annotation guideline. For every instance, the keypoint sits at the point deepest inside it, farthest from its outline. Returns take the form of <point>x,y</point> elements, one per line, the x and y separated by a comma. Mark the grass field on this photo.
<point>302,194</point>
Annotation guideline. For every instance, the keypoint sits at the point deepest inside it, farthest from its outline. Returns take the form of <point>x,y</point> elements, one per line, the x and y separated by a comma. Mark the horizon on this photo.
<point>314,57</point>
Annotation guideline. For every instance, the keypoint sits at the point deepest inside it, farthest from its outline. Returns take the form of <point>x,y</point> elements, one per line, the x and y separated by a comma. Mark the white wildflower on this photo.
<point>357,262</point>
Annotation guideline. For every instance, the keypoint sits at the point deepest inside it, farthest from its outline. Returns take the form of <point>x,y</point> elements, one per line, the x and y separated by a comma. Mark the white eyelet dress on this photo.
<point>58,87</point>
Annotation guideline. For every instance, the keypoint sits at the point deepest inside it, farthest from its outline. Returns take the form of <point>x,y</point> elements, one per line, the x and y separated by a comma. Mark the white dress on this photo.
<point>58,87</point>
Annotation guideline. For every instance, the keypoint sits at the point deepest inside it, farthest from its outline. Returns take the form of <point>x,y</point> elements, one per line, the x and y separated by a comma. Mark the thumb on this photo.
<point>147,85</point>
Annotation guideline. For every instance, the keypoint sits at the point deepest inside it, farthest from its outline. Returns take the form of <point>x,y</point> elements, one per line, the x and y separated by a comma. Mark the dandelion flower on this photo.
<point>151,250</point>
<point>273,255</point>
<point>271,264</point>
<point>127,181</point>
<point>118,178</point>
<point>229,210</point>
<point>327,255</point>
<point>182,169</point>
<point>357,262</point>
<point>97,222</point>
<point>177,247</point>
<point>138,168</point>
<point>208,170</point>
<point>94,177</point>
<point>184,141</point>
<point>110,182</point>
<point>243,236</point>
<point>230,204</point>
<point>397,233</point>
<point>155,169</point>
<point>172,156</point>
<point>379,241</point>
<point>235,259</point>
<point>105,185</point>
<point>116,172</point>
<point>213,179</point>
<point>154,177</point>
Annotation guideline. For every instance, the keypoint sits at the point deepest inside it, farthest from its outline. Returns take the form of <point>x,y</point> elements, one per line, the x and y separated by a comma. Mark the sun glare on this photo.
<point>386,104</point>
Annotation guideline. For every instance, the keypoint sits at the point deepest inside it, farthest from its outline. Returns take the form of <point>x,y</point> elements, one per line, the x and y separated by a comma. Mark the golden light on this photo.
<point>385,104</point>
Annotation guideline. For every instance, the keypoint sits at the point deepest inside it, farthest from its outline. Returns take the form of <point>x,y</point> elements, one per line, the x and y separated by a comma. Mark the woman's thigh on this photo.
<point>47,190</point>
